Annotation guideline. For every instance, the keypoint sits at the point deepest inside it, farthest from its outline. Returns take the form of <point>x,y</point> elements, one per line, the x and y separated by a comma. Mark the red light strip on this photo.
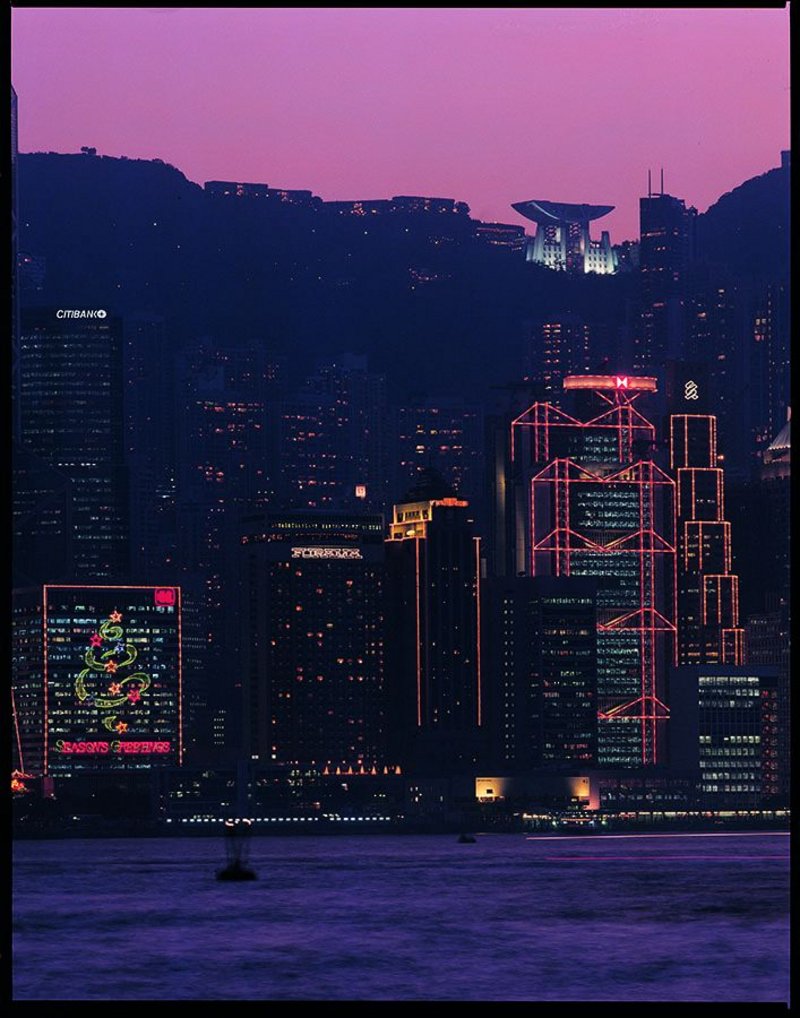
<point>478,608</point>
<point>419,635</point>
<point>44,672</point>
<point>16,727</point>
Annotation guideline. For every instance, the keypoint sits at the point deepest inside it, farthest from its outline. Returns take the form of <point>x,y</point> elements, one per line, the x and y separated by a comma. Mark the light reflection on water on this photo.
<point>381,917</point>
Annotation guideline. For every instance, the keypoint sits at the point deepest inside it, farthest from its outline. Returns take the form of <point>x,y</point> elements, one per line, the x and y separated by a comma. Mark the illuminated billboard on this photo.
<point>112,678</point>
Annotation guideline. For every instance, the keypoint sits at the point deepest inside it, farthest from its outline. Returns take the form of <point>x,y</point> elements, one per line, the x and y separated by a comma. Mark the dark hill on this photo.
<point>747,229</point>
<point>432,306</point>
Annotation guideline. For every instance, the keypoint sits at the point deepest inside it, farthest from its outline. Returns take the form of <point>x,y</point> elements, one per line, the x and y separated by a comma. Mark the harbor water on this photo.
<point>678,917</point>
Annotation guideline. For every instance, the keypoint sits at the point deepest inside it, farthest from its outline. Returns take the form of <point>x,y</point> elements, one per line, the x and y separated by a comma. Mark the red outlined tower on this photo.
<point>708,592</point>
<point>598,505</point>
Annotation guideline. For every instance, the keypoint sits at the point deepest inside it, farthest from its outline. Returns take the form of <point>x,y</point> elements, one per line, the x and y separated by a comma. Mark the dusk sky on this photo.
<point>486,106</point>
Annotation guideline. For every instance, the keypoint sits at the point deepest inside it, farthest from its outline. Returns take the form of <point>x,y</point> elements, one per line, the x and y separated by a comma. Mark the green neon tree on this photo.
<point>100,683</point>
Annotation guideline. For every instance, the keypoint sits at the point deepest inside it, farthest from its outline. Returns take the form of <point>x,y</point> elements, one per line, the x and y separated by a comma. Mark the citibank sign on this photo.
<point>322,552</point>
<point>66,313</point>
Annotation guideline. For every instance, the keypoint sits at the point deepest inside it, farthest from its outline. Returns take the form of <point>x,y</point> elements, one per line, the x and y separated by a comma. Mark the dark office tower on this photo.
<point>150,429</point>
<point>584,497</point>
<point>331,436</point>
<point>718,327</point>
<point>764,564</point>
<point>665,248</point>
<point>769,365</point>
<point>540,647</point>
<point>433,626</point>
<point>723,730</point>
<point>312,639</point>
<point>559,346</point>
<point>43,538</point>
<point>15,320</point>
<point>223,472</point>
<point>445,434</point>
<point>71,418</point>
<point>707,590</point>
<point>27,682</point>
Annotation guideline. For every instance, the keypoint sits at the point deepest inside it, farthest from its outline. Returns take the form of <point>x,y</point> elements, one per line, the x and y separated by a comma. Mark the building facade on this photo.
<point>71,420</point>
<point>579,493</point>
<point>707,589</point>
<point>434,679</point>
<point>312,588</point>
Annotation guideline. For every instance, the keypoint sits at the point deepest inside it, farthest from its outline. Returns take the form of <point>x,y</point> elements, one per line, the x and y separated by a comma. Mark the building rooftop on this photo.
<point>547,212</point>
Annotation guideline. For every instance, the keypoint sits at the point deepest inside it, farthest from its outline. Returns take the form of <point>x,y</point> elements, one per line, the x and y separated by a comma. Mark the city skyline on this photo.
<point>343,505</point>
<point>437,102</point>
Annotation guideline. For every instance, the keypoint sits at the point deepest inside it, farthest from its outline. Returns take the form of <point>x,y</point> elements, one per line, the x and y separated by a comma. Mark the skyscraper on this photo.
<point>583,496</point>
<point>665,248</point>
<point>540,649</point>
<point>445,434</point>
<point>707,589</point>
<point>71,418</point>
<point>331,442</point>
<point>724,730</point>
<point>312,643</point>
<point>433,630</point>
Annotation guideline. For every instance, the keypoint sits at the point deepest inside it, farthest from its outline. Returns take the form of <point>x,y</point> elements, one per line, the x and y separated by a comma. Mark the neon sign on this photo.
<point>322,552</point>
<point>112,677</point>
<point>690,390</point>
<point>639,383</point>
<point>101,748</point>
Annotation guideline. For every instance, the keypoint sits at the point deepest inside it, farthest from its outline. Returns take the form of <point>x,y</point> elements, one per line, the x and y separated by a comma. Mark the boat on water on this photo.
<point>466,839</point>
<point>237,847</point>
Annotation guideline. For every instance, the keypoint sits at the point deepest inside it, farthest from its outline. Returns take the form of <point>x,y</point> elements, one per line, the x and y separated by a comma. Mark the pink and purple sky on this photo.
<point>489,106</point>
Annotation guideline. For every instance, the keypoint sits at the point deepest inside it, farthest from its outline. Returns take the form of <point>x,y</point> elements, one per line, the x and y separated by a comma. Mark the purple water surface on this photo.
<point>381,917</point>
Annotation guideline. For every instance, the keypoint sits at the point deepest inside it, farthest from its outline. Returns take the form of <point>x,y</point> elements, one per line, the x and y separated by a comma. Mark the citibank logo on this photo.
<point>61,313</point>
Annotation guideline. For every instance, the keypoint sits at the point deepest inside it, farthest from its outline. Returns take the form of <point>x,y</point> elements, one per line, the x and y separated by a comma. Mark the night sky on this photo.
<point>487,106</point>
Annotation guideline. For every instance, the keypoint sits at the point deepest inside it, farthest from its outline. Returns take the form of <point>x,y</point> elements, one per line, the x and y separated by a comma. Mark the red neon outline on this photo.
<point>561,542</point>
<point>44,672</point>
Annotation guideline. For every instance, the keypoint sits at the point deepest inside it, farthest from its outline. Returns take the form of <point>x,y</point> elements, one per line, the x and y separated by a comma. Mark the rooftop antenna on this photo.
<point>662,181</point>
<point>649,186</point>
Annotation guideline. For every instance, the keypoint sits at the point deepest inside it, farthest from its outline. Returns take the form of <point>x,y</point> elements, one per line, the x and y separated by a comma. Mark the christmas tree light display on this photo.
<point>106,657</point>
<point>112,691</point>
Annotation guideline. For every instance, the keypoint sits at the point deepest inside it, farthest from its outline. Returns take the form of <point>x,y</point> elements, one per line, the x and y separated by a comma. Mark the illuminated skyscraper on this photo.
<point>723,729</point>
<point>312,639</point>
<point>583,496</point>
<point>433,628</point>
<point>707,590</point>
